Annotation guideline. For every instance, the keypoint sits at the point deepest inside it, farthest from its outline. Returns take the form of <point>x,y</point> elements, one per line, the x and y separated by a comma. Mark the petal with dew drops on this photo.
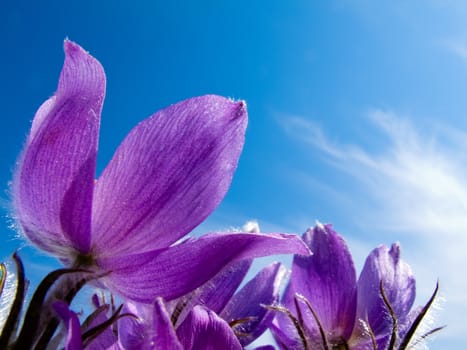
<point>54,180</point>
<point>168,175</point>
<point>327,279</point>
<point>177,270</point>
<point>384,264</point>
<point>71,321</point>
<point>246,311</point>
<point>204,329</point>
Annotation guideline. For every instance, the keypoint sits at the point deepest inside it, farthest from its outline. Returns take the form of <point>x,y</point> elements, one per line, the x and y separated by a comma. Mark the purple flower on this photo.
<point>165,178</point>
<point>95,333</point>
<point>72,326</point>
<point>325,307</point>
<point>201,329</point>
<point>214,307</point>
<point>211,317</point>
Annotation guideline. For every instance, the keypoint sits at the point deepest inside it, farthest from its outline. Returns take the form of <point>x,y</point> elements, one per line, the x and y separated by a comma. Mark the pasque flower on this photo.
<point>203,329</point>
<point>211,317</point>
<point>325,307</point>
<point>165,178</point>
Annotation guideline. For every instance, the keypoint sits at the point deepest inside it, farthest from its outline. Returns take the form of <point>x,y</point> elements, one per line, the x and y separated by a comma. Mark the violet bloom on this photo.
<point>95,333</point>
<point>325,307</point>
<point>165,178</point>
<point>211,317</point>
<point>72,325</point>
<point>244,310</point>
<point>201,329</point>
<point>214,308</point>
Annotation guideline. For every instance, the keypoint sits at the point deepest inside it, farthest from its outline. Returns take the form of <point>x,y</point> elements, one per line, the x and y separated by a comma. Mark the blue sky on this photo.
<point>357,112</point>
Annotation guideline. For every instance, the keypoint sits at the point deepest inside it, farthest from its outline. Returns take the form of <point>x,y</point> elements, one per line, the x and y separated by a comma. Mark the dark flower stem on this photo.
<point>52,325</point>
<point>178,309</point>
<point>96,313</point>
<point>315,316</point>
<point>93,333</point>
<point>27,336</point>
<point>295,321</point>
<point>392,342</point>
<point>413,328</point>
<point>372,337</point>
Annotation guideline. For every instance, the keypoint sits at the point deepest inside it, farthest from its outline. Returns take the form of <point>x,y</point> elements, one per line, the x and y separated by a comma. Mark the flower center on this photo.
<point>84,260</point>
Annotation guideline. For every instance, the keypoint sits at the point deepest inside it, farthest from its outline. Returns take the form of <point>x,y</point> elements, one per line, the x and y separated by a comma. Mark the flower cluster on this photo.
<point>326,307</point>
<point>125,233</point>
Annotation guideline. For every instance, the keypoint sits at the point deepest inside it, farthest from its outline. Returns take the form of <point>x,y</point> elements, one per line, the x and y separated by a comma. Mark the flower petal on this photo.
<point>215,293</point>
<point>107,338</point>
<point>168,175</point>
<point>53,183</point>
<point>327,279</point>
<point>71,321</point>
<point>151,329</point>
<point>285,334</point>
<point>384,264</point>
<point>165,336</point>
<point>134,332</point>
<point>203,329</point>
<point>247,306</point>
<point>177,270</point>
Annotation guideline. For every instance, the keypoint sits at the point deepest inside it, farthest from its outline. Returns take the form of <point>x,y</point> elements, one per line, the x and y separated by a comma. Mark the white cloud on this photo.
<point>415,185</point>
<point>420,185</point>
<point>458,48</point>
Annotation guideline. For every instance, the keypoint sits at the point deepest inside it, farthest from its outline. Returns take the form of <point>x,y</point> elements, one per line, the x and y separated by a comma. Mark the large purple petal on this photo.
<point>53,184</point>
<point>168,175</point>
<point>327,279</point>
<point>246,309</point>
<point>71,321</point>
<point>177,270</point>
<point>204,329</point>
<point>384,264</point>
<point>215,293</point>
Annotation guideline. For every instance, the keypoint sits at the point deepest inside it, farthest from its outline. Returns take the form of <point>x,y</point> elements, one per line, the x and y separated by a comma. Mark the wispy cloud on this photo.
<point>419,185</point>
<point>457,47</point>
<point>415,184</point>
